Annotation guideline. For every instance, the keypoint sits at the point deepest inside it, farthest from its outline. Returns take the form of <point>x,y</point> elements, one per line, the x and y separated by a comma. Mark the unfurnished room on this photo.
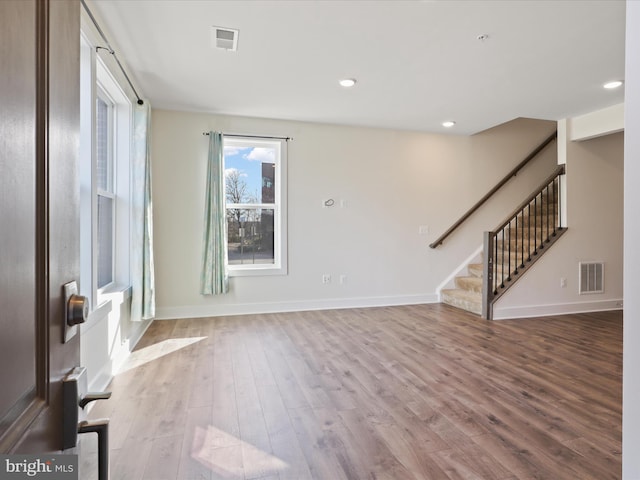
<point>320,239</point>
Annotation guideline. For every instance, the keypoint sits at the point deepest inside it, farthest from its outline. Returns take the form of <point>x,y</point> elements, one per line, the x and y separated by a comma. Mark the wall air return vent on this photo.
<point>224,38</point>
<point>591,277</point>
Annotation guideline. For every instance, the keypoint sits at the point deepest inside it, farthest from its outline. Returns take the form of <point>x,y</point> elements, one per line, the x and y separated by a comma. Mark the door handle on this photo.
<point>92,397</point>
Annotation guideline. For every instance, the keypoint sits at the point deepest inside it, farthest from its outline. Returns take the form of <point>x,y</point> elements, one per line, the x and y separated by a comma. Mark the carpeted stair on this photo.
<point>467,293</point>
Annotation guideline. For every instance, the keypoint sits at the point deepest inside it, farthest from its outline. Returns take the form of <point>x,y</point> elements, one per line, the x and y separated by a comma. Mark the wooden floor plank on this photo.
<point>196,451</point>
<point>282,436</point>
<point>164,458</point>
<point>402,393</point>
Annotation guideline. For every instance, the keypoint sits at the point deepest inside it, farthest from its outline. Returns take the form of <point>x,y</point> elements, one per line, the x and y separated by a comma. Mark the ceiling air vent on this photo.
<point>224,38</point>
<point>591,278</point>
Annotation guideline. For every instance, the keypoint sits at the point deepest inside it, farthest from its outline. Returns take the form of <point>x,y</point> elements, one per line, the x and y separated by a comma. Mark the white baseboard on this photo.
<point>198,311</point>
<point>508,313</point>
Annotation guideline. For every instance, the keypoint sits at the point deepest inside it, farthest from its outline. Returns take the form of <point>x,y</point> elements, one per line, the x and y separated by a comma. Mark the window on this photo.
<point>255,195</point>
<point>105,130</point>
<point>105,191</point>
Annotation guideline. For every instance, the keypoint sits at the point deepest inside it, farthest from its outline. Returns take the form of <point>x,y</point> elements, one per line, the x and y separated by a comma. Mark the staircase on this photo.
<point>467,293</point>
<point>509,250</point>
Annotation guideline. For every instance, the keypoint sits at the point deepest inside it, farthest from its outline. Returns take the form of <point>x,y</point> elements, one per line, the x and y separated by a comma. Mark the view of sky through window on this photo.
<point>248,162</point>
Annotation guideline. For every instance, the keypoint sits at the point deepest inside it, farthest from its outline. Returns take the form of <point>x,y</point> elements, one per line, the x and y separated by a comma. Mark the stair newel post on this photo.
<point>488,269</point>
<point>560,198</point>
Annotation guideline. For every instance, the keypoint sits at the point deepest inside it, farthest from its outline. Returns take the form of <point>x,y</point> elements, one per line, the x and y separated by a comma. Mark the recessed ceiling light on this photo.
<point>448,124</point>
<point>347,82</point>
<point>612,85</point>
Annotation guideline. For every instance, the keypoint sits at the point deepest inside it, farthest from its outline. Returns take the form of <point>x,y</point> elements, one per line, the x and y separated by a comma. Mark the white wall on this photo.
<point>391,181</point>
<point>631,356</point>
<point>595,124</point>
<point>594,196</point>
<point>107,339</point>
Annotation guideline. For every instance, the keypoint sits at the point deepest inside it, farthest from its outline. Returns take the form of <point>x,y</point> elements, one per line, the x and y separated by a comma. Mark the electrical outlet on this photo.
<point>343,279</point>
<point>563,282</point>
<point>326,278</point>
<point>423,230</point>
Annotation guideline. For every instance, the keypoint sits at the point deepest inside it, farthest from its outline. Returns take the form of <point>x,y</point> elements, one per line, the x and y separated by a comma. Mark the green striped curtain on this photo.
<point>214,279</point>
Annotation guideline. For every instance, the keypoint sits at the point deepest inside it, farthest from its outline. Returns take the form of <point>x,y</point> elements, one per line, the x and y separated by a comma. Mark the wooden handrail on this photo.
<point>514,171</point>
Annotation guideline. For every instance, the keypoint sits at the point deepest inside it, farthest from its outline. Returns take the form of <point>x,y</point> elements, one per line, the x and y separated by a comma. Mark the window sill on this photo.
<point>107,298</point>
<point>257,271</point>
<point>115,293</point>
<point>101,311</point>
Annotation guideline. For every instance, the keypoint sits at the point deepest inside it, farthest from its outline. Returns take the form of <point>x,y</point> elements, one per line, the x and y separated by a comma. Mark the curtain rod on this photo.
<point>111,51</point>
<point>252,136</point>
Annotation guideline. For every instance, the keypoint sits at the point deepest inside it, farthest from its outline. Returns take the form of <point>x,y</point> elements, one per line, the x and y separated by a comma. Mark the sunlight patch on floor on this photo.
<point>230,457</point>
<point>157,350</point>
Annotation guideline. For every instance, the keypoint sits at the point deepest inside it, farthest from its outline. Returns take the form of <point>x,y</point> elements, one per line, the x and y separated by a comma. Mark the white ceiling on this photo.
<point>417,63</point>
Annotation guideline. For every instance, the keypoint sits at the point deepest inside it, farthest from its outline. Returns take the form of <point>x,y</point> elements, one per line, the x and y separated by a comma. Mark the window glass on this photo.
<point>105,241</point>
<point>250,236</point>
<point>250,174</point>
<point>103,145</point>
<point>105,210</point>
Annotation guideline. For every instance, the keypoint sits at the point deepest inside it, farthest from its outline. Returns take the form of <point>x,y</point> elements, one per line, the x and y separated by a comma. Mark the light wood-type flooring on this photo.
<point>398,393</point>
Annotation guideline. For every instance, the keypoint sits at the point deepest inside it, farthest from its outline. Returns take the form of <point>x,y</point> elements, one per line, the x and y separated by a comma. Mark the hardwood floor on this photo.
<point>411,392</point>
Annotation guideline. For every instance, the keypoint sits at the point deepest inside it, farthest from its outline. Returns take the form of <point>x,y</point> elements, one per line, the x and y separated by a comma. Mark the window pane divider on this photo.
<point>270,206</point>
<point>106,193</point>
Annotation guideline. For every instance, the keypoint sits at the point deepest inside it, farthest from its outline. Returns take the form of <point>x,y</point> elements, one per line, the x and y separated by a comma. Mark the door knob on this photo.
<point>77,309</point>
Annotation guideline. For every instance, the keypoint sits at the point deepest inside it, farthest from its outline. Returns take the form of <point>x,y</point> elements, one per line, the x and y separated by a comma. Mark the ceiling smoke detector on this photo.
<point>225,38</point>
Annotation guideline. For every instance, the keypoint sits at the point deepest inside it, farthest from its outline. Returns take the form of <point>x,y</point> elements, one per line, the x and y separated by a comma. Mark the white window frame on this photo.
<point>279,265</point>
<point>96,80</point>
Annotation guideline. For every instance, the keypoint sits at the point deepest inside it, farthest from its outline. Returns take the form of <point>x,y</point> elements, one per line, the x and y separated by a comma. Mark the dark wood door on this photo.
<point>39,248</point>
